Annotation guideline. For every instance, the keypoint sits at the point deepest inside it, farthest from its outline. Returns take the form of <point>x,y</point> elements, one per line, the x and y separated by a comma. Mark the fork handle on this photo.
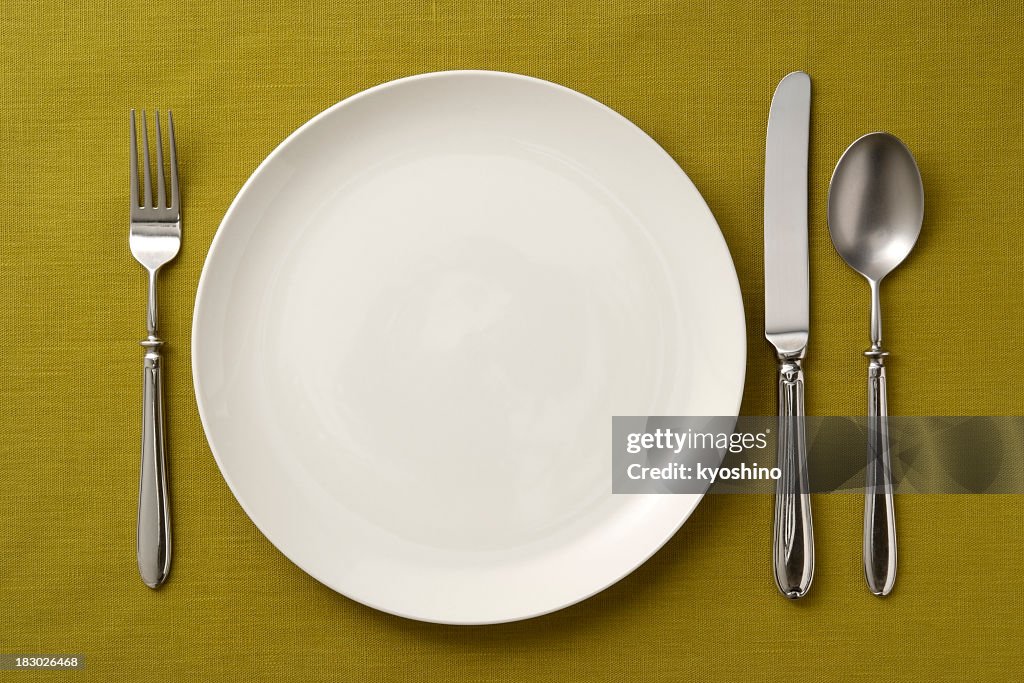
<point>153,542</point>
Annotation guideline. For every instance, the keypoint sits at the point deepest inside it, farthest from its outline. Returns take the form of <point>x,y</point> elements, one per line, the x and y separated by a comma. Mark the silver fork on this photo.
<point>155,238</point>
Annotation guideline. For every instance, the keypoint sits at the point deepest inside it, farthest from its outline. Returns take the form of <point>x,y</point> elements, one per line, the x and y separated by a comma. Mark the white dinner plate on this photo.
<point>417,320</point>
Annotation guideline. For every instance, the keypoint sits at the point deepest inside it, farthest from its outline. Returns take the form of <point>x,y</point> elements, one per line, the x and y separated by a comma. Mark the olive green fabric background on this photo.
<point>698,77</point>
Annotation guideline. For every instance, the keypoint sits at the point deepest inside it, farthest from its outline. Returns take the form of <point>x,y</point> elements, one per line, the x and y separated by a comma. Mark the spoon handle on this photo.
<point>793,547</point>
<point>879,513</point>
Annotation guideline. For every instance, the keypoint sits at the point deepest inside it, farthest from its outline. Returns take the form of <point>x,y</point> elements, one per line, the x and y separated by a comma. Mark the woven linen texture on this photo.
<point>698,77</point>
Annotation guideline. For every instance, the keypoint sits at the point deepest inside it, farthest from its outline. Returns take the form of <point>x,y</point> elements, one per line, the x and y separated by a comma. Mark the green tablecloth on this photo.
<point>698,77</point>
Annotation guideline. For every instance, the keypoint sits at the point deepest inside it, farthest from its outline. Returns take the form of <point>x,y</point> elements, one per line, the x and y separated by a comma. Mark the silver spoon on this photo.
<point>875,211</point>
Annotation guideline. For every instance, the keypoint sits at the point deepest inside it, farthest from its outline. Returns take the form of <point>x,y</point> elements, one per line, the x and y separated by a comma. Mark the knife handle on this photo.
<point>153,542</point>
<point>793,550</point>
<point>879,511</point>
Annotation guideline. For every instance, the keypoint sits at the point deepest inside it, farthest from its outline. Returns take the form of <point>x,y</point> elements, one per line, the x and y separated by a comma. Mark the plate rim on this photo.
<point>233,208</point>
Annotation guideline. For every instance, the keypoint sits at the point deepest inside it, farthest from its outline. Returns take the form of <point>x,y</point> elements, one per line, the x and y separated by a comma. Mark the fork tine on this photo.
<point>175,199</point>
<point>133,162</point>
<point>147,194</point>
<point>160,196</point>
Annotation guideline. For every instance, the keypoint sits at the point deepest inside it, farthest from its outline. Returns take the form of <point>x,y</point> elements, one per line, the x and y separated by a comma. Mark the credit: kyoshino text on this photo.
<point>679,472</point>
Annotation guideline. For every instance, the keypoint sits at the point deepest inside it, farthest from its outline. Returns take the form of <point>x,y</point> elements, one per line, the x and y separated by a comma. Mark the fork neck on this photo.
<point>151,305</point>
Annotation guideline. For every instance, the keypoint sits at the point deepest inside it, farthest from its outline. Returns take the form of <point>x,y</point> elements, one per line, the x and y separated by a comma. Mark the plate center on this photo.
<point>471,351</point>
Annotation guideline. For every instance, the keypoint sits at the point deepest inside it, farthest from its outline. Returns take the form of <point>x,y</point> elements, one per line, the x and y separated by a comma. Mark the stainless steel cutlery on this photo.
<point>154,238</point>
<point>787,323</point>
<point>875,211</point>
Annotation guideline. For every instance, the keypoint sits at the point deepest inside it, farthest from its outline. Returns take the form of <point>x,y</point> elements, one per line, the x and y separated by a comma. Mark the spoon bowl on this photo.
<point>875,205</point>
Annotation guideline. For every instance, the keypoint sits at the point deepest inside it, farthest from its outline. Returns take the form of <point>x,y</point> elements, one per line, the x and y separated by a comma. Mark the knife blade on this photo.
<point>786,300</point>
<point>787,323</point>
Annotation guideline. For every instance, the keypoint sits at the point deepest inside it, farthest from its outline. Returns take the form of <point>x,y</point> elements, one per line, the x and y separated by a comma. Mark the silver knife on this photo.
<point>787,322</point>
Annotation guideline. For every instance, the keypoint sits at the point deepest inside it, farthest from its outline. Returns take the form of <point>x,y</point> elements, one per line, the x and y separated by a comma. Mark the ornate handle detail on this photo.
<point>793,550</point>
<point>879,512</point>
<point>153,542</point>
